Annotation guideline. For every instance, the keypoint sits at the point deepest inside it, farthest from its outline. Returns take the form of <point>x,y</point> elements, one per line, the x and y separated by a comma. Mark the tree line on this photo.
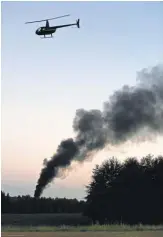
<point>128,192</point>
<point>27,204</point>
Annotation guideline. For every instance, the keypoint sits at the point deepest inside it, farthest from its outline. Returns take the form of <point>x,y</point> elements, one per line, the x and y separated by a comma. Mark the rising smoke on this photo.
<point>127,112</point>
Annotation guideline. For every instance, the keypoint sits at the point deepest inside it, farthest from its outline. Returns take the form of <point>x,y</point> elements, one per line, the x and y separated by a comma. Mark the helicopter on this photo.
<point>49,30</point>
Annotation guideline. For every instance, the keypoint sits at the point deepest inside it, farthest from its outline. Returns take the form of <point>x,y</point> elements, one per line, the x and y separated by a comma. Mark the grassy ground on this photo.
<point>88,234</point>
<point>92,228</point>
<point>74,225</point>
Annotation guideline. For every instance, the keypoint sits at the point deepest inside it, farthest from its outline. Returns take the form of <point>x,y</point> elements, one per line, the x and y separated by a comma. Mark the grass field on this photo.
<point>74,225</point>
<point>83,231</point>
<point>88,234</point>
<point>91,228</point>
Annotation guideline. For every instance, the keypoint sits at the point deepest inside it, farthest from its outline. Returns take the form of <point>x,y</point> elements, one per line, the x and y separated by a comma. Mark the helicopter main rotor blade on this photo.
<point>47,19</point>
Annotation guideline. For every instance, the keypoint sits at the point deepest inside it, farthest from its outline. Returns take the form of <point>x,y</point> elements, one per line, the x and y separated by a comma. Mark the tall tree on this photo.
<point>129,192</point>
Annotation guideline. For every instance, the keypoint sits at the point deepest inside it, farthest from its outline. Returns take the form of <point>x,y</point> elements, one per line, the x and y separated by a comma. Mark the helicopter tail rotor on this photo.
<point>77,23</point>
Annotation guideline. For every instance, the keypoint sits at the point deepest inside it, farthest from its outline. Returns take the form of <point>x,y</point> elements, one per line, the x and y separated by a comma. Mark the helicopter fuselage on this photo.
<point>49,30</point>
<point>45,30</point>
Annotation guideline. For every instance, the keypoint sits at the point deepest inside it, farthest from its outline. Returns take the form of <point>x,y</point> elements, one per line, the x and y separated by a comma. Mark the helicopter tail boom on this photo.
<point>61,26</point>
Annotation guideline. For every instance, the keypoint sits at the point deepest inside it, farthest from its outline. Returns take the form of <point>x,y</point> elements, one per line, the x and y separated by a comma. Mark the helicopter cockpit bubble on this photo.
<point>38,30</point>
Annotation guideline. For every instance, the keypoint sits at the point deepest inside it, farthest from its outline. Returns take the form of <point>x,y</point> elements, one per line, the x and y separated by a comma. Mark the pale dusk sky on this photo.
<point>45,81</point>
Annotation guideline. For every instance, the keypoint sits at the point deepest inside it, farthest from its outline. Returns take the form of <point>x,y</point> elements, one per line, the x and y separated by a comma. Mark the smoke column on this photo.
<point>127,112</point>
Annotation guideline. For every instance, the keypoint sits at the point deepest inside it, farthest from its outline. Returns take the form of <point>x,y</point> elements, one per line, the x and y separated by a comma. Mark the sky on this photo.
<point>44,82</point>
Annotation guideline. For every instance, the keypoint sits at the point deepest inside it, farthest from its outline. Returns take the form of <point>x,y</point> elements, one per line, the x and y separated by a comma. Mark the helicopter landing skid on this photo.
<point>46,37</point>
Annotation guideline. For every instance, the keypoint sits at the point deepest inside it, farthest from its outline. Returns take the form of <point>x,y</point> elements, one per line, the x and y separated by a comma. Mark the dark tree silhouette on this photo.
<point>5,202</point>
<point>130,192</point>
<point>27,204</point>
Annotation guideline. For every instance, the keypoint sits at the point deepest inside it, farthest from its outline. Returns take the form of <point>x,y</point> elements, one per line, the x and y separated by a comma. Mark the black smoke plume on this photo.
<point>127,111</point>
